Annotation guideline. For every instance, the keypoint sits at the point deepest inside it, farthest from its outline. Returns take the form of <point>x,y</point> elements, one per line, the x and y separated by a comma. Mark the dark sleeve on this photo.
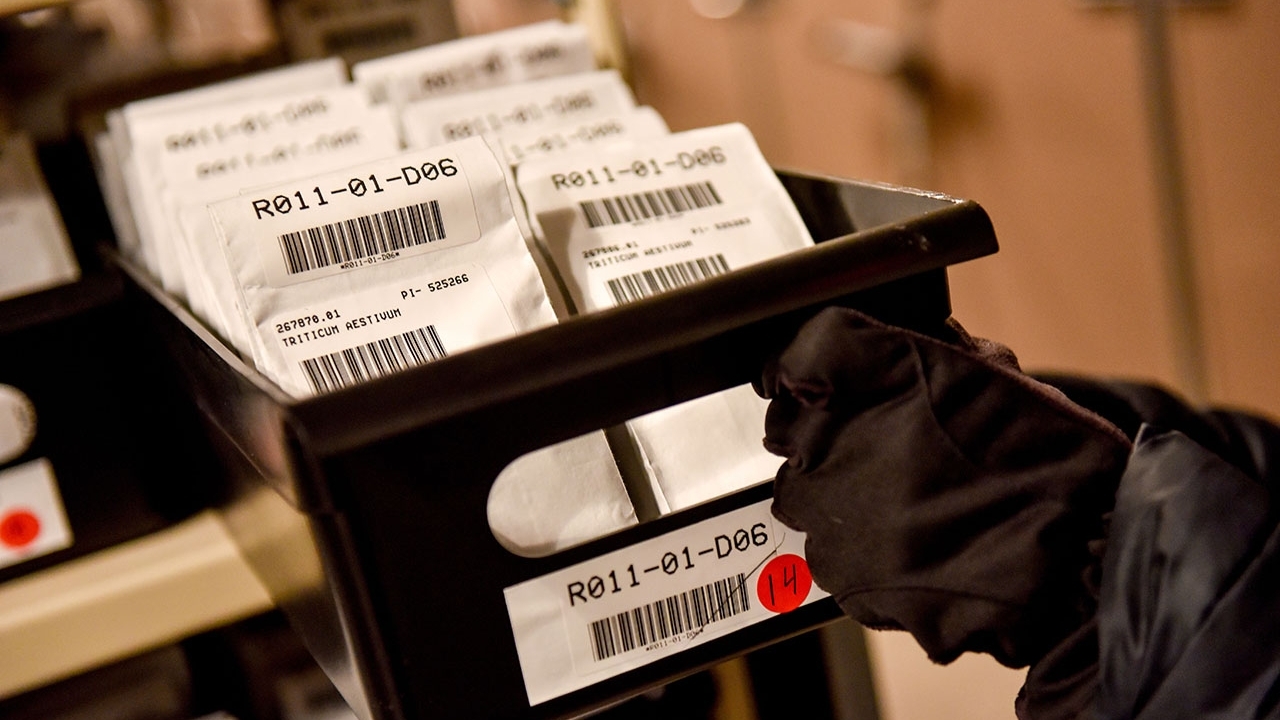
<point>1245,440</point>
<point>945,493</point>
<point>1189,612</point>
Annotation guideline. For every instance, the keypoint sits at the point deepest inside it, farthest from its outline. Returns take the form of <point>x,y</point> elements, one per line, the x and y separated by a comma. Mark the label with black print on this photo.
<point>547,103</point>
<point>631,607</point>
<point>133,125</point>
<point>430,235</point>
<point>640,124</point>
<point>175,154</point>
<point>357,220</point>
<point>636,220</point>
<point>211,291</point>
<point>478,62</point>
<point>381,331</point>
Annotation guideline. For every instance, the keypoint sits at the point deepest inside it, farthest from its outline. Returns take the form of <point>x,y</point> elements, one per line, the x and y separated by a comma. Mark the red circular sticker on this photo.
<point>784,583</point>
<point>18,528</point>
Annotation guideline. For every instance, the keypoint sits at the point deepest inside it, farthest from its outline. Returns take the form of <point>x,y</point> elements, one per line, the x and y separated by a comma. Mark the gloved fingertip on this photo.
<point>785,450</point>
<point>785,518</point>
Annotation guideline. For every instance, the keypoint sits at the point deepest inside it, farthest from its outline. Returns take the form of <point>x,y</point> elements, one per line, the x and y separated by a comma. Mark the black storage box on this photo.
<point>125,449</point>
<point>364,510</point>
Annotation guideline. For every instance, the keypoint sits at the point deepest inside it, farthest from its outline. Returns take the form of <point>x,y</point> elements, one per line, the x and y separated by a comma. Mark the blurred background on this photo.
<point>1127,152</point>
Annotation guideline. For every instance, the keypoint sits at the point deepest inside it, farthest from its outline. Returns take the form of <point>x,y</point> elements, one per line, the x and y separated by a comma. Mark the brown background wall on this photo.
<point>1037,113</point>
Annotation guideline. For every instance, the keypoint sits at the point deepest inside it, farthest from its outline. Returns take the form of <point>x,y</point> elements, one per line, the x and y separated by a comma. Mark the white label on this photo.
<point>330,72</point>
<point>628,608</point>
<point>483,61</point>
<point>375,333</point>
<point>522,144</point>
<point>636,221</point>
<point>211,289</point>
<point>642,123</point>
<point>35,252</point>
<point>686,252</point>
<point>392,225</point>
<point>362,220</point>
<point>184,133</point>
<point>212,144</point>
<point>353,136</point>
<point>542,103</point>
<point>32,520</point>
<point>135,129</point>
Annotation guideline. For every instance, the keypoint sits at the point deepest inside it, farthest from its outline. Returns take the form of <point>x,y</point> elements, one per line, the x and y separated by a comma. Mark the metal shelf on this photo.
<point>121,601</point>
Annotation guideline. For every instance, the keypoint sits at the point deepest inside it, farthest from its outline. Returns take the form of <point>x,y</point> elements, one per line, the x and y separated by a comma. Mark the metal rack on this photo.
<point>363,511</point>
<point>129,475</point>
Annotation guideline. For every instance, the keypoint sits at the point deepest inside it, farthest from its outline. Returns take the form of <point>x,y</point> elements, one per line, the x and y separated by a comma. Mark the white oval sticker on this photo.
<point>17,423</point>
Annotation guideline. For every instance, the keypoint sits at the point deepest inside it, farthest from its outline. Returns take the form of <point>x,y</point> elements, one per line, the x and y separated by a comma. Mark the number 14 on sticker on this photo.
<point>784,583</point>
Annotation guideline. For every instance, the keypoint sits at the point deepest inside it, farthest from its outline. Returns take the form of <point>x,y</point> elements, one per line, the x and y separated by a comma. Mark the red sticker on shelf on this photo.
<point>19,528</point>
<point>33,521</point>
<point>784,583</point>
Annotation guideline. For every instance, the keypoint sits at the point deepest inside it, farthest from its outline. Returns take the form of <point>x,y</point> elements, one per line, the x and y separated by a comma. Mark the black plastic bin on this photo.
<point>364,511</point>
<point>126,451</point>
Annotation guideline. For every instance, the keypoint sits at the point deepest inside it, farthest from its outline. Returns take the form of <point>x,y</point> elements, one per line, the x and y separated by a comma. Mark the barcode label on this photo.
<point>649,205</point>
<point>372,360</point>
<point>690,610</point>
<point>362,237</point>
<point>638,286</point>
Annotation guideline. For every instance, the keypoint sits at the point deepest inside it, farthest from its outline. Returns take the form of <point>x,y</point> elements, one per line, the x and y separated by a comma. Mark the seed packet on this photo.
<point>127,197</point>
<point>547,103</point>
<point>628,222</point>
<point>638,124</point>
<point>357,274</point>
<point>473,63</point>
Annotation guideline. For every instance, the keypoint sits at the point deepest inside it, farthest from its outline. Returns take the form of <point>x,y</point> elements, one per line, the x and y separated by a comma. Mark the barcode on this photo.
<point>362,237</point>
<point>649,204</point>
<point>637,286</point>
<point>690,610</point>
<point>371,360</point>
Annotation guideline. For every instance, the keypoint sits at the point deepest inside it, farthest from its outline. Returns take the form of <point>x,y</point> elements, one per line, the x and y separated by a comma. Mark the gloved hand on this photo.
<point>942,491</point>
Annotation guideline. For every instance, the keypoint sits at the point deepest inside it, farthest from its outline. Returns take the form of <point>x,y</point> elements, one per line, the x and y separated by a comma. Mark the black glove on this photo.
<point>942,491</point>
